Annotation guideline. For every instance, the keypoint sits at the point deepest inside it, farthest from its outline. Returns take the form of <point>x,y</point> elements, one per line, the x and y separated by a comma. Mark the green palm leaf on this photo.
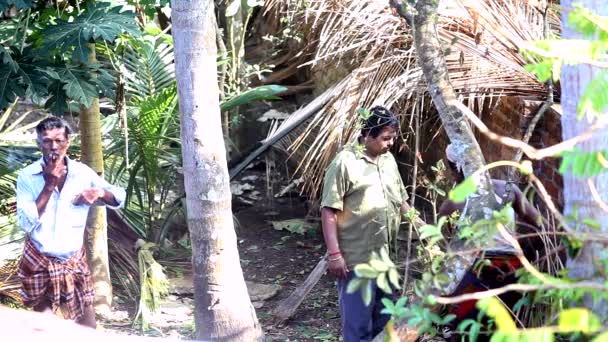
<point>149,68</point>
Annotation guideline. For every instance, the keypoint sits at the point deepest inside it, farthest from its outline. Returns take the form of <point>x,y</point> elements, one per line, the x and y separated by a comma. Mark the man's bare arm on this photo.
<point>329,223</point>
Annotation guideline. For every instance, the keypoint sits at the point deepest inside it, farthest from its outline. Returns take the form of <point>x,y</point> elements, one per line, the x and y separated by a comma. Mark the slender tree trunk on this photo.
<point>96,234</point>
<point>223,310</point>
<point>578,198</point>
<point>431,59</point>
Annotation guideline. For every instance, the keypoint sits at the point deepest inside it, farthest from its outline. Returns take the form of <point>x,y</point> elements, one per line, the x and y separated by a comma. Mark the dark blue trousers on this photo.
<point>361,322</point>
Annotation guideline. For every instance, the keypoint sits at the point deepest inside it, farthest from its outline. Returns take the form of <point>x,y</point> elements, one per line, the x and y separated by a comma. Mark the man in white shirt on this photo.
<point>54,195</point>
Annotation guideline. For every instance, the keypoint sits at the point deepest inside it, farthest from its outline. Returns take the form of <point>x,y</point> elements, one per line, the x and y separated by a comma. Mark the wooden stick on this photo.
<point>289,305</point>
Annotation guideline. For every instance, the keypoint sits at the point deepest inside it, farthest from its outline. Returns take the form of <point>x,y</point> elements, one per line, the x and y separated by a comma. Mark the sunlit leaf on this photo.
<point>463,190</point>
<point>365,271</point>
<point>496,310</point>
<point>382,283</point>
<point>354,285</point>
<point>578,320</point>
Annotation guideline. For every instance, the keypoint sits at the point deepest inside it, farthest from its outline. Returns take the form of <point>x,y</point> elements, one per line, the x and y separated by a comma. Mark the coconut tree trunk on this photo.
<point>223,310</point>
<point>96,234</point>
<point>578,198</point>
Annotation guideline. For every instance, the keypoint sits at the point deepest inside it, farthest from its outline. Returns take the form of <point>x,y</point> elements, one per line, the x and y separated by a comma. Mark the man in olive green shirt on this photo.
<point>363,199</point>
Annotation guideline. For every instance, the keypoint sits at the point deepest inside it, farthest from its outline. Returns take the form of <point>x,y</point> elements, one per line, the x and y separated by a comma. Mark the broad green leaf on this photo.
<point>463,190</point>
<point>448,318</point>
<point>254,3</point>
<point>365,271</point>
<point>536,335</point>
<point>77,85</point>
<point>393,276</point>
<point>383,283</point>
<point>354,284</point>
<point>428,231</point>
<point>366,293</point>
<point>588,23</point>
<point>378,265</point>
<point>267,92</point>
<point>578,320</point>
<point>496,310</point>
<point>20,76</point>
<point>543,70</point>
<point>581,163</point>
<point>233,8</point>
<point>58,101</point>
<point>364,113</point>
<point>96,23</point>
<point>389,306</point>
<point>385,257</point>
<point>594,101</point>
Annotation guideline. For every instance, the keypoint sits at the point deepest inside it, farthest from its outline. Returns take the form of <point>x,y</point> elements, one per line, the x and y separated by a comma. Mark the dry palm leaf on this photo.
<point>373,48</point>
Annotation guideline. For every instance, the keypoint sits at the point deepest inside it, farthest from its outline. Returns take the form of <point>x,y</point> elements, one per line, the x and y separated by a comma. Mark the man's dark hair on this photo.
<point>52,123</point>
<point>379,119</point>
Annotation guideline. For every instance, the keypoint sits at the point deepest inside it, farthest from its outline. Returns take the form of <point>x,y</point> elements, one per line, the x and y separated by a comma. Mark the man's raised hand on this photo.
<point>53,170</point>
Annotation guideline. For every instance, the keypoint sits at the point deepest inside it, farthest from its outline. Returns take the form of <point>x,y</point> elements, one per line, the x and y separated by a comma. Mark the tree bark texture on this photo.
<point>578,198</point>
<point>223,310</point>
<point>432,61</point>
<point>96,234</point>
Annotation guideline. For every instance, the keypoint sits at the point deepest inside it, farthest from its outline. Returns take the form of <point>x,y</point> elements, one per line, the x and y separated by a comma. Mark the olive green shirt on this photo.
<point>367,197</point>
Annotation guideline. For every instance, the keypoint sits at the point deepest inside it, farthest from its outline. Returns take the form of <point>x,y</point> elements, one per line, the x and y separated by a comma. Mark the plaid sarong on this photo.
<point>65,283</point>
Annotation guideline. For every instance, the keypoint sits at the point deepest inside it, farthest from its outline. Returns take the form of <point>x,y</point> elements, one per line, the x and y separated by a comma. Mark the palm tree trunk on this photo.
<point>223,310</point>
<point>96,234</point>
<point>578,198</point>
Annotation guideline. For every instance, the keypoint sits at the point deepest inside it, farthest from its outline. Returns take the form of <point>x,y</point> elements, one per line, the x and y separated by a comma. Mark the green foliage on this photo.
<point>470,326</point>
<point>97,23</point>
<point>594,100</point>
<point>431,232</point>
<point>364,113</point>
<point>148,122</point>
<point>550,54</point>
<point>380,269</point>
<point>588,23</point>
<point>496,310</point>
<point>578,320</point>
<point>583,164</point>
<point>247,5</point>
<point>149,66</point>
<point>570,321</point>
<point>463,190</point>
<point>397,309</point>
<point>21,75</point>
<point>266,92</point>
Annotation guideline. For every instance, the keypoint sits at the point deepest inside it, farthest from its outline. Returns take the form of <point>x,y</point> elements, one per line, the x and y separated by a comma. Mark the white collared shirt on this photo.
<point>59,231</point>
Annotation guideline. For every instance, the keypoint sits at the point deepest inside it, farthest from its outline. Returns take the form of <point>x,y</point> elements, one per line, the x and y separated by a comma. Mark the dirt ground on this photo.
<point>271,258</point>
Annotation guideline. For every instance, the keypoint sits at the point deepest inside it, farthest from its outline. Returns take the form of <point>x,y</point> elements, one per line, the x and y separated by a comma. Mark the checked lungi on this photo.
<point>65,283</point>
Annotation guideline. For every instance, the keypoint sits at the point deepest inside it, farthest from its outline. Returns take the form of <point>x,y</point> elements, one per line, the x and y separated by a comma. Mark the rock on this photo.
<point>182,286</point>
<point>260,292</point>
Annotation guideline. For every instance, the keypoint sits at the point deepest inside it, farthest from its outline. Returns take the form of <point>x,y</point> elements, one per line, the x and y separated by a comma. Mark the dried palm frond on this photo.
<point>373,47</point>
<point>153,282</point>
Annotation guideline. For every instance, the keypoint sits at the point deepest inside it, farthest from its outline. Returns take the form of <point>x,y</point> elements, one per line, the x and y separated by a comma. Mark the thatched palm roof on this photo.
<point>368,43</point>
